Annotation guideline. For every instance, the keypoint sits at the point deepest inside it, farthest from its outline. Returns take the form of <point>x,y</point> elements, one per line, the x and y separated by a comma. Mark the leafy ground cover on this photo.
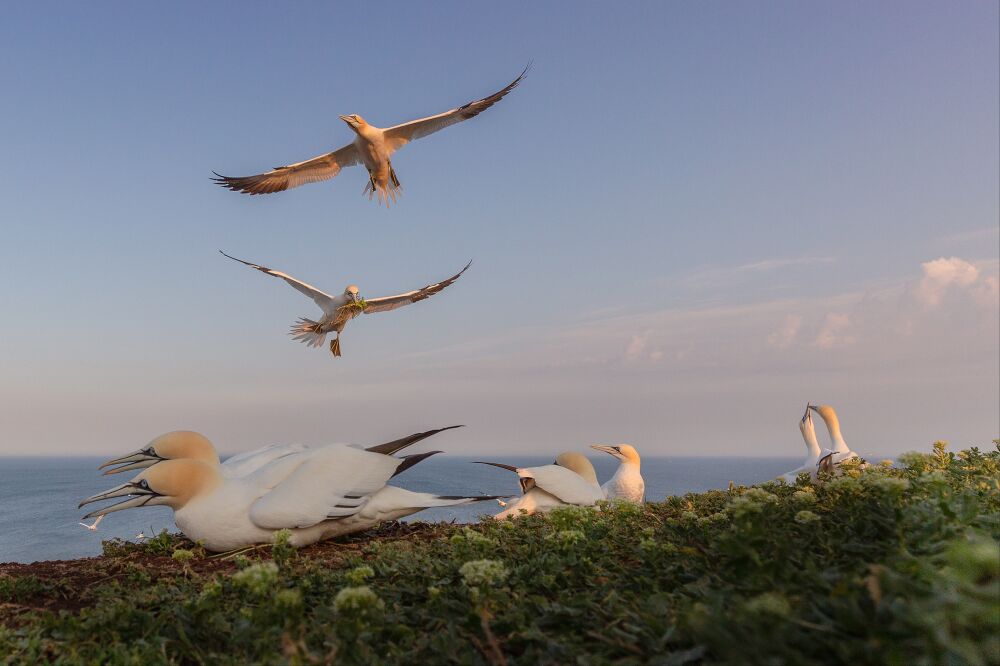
<point>878,565</point>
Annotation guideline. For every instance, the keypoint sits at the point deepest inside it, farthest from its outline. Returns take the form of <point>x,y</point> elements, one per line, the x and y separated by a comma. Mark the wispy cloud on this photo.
<point>984,234</point>
<point>711,277</point>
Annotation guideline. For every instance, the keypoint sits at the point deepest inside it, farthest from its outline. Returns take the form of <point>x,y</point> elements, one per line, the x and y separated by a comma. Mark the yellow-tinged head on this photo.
<point>352,292</point>
<point>829,416</point>
<point>354,121</point>
<point>171,483</point>
<point>170,446</point>
<point>577,462</point>
<point>623,452</point>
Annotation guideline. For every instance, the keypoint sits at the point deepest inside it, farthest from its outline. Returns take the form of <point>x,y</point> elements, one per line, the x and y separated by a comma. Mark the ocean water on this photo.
<point>38,496</point>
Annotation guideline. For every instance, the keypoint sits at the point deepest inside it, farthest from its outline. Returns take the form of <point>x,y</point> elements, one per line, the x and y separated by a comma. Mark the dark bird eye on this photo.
<point>144,484</point>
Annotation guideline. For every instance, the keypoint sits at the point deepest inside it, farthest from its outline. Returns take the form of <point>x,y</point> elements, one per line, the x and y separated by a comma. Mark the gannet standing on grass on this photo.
<point>840,451</point>
<point>808,431</point>
<point>627,483</point>
<point>317,494</point>
<point>569,480</point>
<point>338,310</point>
<point>372,147</point>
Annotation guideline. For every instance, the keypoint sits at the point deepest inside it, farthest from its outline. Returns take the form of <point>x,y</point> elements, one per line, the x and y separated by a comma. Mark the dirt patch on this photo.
<point>70,585</point>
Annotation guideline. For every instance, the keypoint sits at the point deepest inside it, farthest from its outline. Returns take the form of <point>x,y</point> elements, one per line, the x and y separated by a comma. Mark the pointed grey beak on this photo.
<point>348,120</point>
<point>610,450</point>
<point>806,415</point>
<point>812,407</point>
<point>137,460</point>
<point>142,496</point>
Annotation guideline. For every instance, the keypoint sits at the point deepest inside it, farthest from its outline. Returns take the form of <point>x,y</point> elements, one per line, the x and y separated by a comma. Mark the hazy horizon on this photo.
<point>688,221</point>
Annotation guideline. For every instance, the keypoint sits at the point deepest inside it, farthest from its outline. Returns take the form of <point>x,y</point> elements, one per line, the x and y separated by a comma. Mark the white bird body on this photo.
<point>840,450</point>
<point>93,527</point>
<point>248,462</point>
<point>627,482</point>
<point>316,494</point>
<point>571,480</point>
<point>813,452</point>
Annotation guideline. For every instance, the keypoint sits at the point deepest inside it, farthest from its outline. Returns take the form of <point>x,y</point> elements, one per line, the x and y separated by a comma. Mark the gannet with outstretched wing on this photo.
<point>808,431</point>
<point>181,444</point>
<point>316,494</point>
<point>338,310</point>
<point>372,147</point>
<point>840,451</point>
<point>627,483</point>
<point>569,480</point>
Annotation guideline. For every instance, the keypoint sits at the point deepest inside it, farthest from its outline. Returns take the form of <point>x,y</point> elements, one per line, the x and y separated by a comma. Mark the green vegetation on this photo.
<point>878,565</point>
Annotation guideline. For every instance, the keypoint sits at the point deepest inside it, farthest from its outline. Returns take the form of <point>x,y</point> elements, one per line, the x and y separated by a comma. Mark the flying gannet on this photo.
<point>627,483</point>
<point>338,310</point>
<point>316,494</point>
<point>180,444</point>
<point>808,431</point>
<point>372,147</point>
<point>569,480</point>
<point>840,451</point>
<point>93,527</point>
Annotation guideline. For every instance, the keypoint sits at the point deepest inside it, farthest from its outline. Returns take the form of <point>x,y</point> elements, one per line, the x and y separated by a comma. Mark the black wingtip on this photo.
<point>410,461</point>
<point>392,447</point>
<point>500,465</point>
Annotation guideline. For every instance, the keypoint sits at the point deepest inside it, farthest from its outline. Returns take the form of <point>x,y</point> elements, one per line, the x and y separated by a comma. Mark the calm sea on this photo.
<point>38,496</point>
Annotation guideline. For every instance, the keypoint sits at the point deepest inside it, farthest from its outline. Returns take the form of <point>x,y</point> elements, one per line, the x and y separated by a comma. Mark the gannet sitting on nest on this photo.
<point>569,480</point>
<point>338,310</point>
<point>191,445</point>
<point>627,483</point>
<point>372,147</point>
<point>840,451</point>
<point>316,494</point>
<point>808,431</point>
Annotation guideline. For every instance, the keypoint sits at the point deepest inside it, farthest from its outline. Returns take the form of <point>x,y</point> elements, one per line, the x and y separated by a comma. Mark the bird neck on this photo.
<point>628,466</point>
<point>812,444</point>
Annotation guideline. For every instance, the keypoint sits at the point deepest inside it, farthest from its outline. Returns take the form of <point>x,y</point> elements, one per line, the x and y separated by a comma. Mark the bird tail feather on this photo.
<point>308,331</point>
<point>387,192</point>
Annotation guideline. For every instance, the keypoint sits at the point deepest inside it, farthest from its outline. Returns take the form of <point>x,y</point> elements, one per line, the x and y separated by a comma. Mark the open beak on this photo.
<point>137,460</point>
<point>142,497</point>
<point>356,297</point>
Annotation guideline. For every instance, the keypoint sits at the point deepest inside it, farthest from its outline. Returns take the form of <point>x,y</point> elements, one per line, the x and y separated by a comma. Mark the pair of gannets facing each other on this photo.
<point>571,479</point>
<point>372,147</point>
<point>818,459</point>
<point>338,310</point>
<point>317,493</point>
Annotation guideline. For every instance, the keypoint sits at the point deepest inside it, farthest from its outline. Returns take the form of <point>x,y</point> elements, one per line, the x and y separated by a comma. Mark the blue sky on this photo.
<point>688,221</point>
